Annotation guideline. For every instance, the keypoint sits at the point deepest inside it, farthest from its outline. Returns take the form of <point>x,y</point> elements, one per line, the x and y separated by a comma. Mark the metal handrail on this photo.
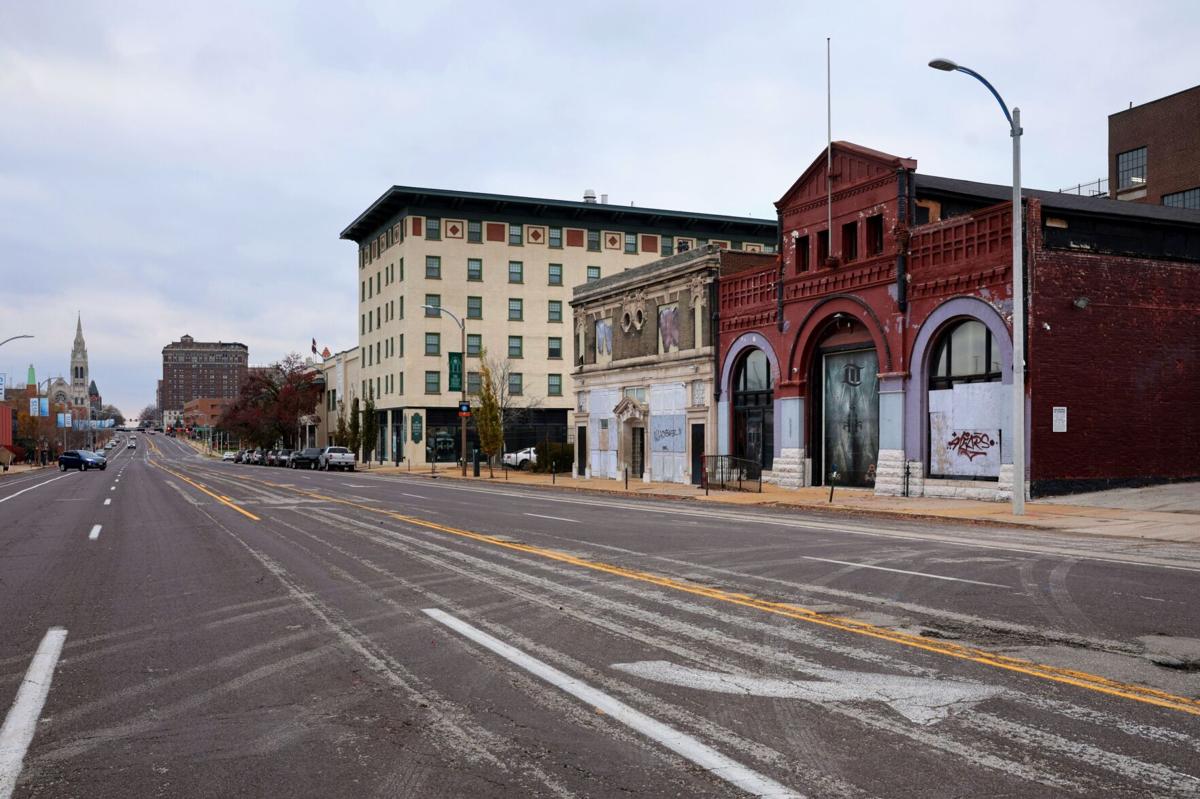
<point>1100,188</point>
<point>729,473</point>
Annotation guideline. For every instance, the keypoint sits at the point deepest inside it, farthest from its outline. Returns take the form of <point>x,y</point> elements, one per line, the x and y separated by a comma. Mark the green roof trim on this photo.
<point>569,213</point>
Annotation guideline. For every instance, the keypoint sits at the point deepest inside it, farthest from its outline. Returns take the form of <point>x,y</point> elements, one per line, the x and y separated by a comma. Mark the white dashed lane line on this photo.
<point>92,536</point>
<point>21,722</point>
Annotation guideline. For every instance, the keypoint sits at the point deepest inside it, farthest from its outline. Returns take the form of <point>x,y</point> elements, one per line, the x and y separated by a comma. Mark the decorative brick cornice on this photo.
<point>964,283</point>
<point>840,194</point>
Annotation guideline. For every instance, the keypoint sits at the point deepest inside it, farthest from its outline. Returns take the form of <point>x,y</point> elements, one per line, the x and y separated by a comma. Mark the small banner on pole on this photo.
<point>456,372</point>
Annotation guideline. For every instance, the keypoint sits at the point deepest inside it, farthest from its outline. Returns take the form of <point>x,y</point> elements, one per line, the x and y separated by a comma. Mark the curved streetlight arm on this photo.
<point>446,311</point>
<point>996,94</point>
<point>14,338</point>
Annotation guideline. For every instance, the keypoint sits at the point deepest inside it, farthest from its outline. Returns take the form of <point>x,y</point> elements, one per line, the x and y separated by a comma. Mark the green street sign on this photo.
<point>417,428</point>
<point>456,375</point>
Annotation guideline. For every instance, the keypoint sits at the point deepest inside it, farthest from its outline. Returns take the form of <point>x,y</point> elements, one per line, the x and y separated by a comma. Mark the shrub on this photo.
<point>561,456</point>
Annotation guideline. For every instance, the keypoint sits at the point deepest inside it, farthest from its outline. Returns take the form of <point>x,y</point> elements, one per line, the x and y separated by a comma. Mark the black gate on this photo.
<point>638,466</point>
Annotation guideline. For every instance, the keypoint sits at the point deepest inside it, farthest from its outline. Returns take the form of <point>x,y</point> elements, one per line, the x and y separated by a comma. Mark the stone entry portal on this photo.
<point>850,406</point>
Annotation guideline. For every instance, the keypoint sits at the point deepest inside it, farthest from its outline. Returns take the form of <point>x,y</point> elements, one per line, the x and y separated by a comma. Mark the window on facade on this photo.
<point>516,347</point>
<point>631,243</point>
<point>516,310</point>
<point>1183,199</point>
<point>636,393</point>
<point>400,345</point>
<point>433,267</point>
<point>1131,168</point>
<point>401,269</point>
<point>433,343</point>
<point>516,272</point>
<point>555,311</point>
<point>555,238</point>
<point>474,231</point>
<point>554,348</point>
<point>514,235</point>
<point>554,385</point>
<point>474,344</point>
<point>401,306</point>
<point>822,248</point>
<point>435,302</point>
<point>666,245</point>
<point>593,240</point>
<point>801,245</point>
<point>474,383</point>
<point>474,269</point>
<point>593,274</point>
<point>516,382</point>
<point>474,307</point>
<point>964,353</point>
<point>433,228</point>
<point>875,234</point>
<point>433,382</point>
<point>555,274</point>
<point>362,294</point>
<point>850,241</point>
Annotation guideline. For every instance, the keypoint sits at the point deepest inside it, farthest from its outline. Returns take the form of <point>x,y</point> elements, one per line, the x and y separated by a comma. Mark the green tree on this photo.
<point>370,430</point>
<point>487,417</point>
<point>341,433</point>
<point>354,439</point>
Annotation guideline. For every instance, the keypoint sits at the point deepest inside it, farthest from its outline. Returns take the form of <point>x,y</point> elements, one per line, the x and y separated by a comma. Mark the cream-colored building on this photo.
<point>342,382</point>
<point>505,266</point>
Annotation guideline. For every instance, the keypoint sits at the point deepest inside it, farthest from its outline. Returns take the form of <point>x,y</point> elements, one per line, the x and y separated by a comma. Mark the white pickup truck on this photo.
<point>336,458</point>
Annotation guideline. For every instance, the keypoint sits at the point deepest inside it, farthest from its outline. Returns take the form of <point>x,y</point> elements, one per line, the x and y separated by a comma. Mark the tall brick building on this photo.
<point>194,369</point>
<point>1154,151</point>
<point>889,344</point>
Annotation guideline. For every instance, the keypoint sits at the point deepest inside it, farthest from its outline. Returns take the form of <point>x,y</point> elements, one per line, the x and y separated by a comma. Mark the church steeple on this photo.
<point>79,366</point>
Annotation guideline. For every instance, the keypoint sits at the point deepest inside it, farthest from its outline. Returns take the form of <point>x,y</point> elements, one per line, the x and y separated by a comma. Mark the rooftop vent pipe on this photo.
<point>589,196</point>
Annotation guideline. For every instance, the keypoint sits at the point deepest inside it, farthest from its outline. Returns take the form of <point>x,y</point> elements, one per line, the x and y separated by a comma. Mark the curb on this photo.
<point>784,506</point>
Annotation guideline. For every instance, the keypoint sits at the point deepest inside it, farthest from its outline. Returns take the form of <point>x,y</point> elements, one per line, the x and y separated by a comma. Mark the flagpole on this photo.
<point>828,155</point>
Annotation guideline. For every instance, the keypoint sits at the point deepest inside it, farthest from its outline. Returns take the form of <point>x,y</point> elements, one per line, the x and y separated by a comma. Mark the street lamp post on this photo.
<point>14,338</point>
<point>1018,363</point>
<point>462,330</point>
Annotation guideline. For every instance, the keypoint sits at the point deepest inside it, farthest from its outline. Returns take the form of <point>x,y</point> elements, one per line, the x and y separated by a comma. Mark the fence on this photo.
<point>729,473</point>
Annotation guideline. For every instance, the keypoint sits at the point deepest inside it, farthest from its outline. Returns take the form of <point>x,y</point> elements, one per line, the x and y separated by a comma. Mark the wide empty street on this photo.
<point>177,626</point>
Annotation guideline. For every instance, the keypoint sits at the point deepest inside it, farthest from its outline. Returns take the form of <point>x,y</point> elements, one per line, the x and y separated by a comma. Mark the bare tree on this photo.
<point>515,409</point>
<point>148,414</point>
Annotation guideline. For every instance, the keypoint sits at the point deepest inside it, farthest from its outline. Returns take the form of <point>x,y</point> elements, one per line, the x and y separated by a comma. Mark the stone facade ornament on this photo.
<point>629,409</point>
<point>696,287</point>
<point>633,310</point>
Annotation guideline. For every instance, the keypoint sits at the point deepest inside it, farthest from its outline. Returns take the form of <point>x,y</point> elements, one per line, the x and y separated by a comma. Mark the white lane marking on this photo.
<point>922,700</point>
<point>95,533</point>
<point>414,496</point>
<point>356,485</point>
<point>555,518</point>
<point>21,722</point>
<point>904,571</point>
<point>39,485</point>
<point>682,744</point>
<point>108,502</point>
<point>112,488</point>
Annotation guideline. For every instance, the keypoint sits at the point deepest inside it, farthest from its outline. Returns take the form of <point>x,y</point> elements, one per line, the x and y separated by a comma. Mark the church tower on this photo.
<point>79,367</point>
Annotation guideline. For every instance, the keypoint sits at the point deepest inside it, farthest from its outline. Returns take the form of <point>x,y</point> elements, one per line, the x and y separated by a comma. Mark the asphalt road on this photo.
<point>232,630</point>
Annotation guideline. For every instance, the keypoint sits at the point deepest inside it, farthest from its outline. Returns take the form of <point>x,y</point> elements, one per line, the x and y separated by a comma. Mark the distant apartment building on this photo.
<point>193,369</point>
<point>204,411</point>
<point>1154,151</point>
<point>341,386</point>
<point>505,266</point>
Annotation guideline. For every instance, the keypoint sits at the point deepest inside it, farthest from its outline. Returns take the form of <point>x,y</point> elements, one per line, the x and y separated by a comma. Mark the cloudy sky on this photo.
<point>170,168</point>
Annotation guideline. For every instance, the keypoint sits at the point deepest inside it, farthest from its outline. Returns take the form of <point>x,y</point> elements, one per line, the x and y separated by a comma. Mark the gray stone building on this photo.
<point>644,363</point>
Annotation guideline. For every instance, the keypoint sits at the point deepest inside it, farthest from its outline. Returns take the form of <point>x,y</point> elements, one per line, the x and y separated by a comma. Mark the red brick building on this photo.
<point>204,411</point>
<point>192,369</point>
<point>1154,151</point>
<point>885,354</point>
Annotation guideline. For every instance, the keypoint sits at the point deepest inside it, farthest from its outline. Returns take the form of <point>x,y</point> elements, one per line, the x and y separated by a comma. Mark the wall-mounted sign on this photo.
<point>33,406</point>
<point>418,428</point>
<point>1060,419</point>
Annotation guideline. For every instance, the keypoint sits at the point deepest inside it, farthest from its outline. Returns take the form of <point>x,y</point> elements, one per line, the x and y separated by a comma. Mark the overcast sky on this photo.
<point>171,168</point>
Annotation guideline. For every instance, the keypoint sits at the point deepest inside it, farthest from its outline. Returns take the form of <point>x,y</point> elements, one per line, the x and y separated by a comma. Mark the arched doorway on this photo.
<point>753,409</point>
<point>845,405</point>
<point>967,404</point>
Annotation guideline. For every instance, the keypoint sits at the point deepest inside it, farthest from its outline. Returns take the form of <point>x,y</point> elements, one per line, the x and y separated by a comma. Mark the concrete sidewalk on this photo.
<point>1056,515</point>
<point>25,468</point>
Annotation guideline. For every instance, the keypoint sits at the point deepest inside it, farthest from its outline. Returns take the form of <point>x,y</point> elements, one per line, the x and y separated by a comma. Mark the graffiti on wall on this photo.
<point>971,444</point>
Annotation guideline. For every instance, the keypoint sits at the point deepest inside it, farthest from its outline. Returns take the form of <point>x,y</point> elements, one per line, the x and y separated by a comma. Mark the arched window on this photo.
<point>754,373</point>
<point>964,353</point>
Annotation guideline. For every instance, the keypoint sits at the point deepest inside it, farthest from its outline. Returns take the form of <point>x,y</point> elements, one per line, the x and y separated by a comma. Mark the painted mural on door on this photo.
<point>851,416</point>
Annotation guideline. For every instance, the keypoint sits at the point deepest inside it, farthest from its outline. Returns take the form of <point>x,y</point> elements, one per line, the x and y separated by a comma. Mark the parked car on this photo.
<point>82,460</point>
<point>521,459</point>
<point>256,457</point>
<point>281,457</point>
<point>228,455</point>
<point>336,458</point>
<point>305,458</point>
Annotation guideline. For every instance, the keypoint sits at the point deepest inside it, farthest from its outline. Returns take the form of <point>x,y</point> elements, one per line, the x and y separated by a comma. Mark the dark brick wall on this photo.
<point>1127,367</point>
<point>1169,129</point>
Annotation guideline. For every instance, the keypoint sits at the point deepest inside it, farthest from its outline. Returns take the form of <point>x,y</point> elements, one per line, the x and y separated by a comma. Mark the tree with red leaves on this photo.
<point>271,402</point>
